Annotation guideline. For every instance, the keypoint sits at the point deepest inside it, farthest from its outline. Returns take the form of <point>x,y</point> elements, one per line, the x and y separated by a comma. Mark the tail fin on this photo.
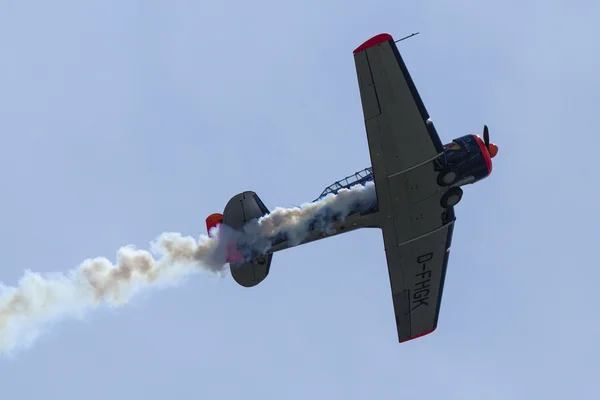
<point>241,209</point>
<point>213,221</point>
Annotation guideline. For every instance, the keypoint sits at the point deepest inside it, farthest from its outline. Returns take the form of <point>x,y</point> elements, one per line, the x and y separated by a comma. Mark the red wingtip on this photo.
<point>374,41</point>
<point>418,336</point>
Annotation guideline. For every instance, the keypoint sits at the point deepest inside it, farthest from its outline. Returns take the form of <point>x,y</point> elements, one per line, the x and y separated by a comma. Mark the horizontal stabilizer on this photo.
<point>240,210</point>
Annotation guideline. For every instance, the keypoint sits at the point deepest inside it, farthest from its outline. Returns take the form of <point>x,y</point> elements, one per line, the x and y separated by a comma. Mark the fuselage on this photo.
<point>466,156</point>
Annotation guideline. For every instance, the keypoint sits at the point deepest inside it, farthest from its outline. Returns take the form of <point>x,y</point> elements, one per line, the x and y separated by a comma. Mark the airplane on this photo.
<point>417,184</point>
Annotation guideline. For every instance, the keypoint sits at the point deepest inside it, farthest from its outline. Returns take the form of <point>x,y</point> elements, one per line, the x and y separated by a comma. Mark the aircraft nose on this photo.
<point>493,149</point>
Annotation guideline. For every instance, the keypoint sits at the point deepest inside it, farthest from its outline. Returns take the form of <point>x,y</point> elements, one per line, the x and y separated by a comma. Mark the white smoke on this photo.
<point>258,235</point>
<point>38,300</point>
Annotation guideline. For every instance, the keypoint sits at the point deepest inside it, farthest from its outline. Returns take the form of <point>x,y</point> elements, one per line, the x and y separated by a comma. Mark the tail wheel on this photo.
<point>447,177</point>
<point>451,197</point>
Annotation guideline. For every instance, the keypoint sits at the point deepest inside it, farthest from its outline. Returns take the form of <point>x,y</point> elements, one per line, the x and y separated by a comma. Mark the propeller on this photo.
<point>486,136</point>
<point>492,148</point>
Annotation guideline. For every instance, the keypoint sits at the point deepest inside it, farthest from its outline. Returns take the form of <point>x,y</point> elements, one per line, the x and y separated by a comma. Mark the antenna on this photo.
<point>406,37</point>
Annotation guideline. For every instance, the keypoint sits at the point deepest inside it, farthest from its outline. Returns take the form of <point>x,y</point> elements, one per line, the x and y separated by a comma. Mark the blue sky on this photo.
<point>123,120</point>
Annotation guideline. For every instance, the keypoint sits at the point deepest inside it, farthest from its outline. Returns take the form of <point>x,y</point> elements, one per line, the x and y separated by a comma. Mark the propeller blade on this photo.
<point>486,136</point>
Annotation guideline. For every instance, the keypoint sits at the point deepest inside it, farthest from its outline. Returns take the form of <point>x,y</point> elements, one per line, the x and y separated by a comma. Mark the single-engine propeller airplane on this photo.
<point>417,183</point>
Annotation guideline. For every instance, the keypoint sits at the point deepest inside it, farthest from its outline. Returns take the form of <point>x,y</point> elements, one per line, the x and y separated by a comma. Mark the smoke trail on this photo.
<point>39,300</point>
<point>294,224</point>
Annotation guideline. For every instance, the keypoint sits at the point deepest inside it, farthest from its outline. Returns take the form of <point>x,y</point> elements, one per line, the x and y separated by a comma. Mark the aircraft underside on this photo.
<point>409,193</point>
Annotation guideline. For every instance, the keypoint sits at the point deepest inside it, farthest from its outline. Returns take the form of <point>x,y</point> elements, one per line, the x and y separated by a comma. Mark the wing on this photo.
<point>392,104</point>
<point>417,270</point>
<point>403,143</point>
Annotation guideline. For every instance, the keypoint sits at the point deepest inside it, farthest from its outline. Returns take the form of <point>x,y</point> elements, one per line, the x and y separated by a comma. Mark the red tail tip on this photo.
<point>213,221</point>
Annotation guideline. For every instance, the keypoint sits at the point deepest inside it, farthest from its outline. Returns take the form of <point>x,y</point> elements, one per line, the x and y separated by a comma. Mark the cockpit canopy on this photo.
<point>358,178</point>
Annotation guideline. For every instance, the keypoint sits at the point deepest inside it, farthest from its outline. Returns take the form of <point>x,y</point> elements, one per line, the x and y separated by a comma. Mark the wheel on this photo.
<point>451,197</point>
<point>447,177</point>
